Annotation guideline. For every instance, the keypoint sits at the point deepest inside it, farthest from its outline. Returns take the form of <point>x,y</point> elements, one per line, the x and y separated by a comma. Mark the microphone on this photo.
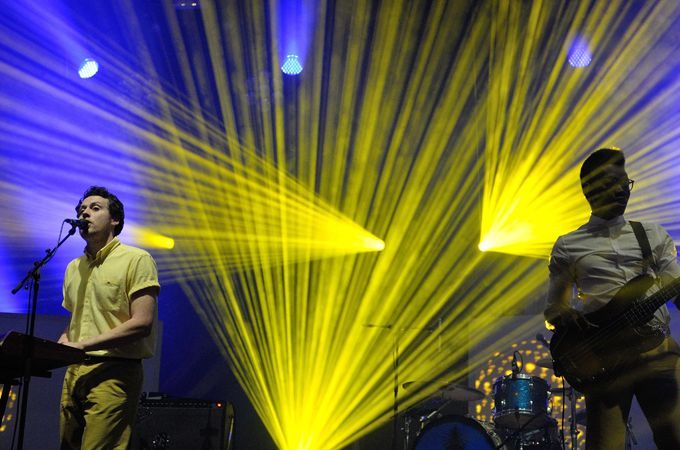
<point>77,223</point>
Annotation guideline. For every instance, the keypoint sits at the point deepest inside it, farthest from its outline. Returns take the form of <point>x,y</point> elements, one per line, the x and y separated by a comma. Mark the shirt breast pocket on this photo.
<point>111,295</point>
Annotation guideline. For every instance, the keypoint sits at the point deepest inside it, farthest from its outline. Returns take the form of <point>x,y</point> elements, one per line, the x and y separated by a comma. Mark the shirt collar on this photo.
<point>599,222</point>
<point>103,252</point>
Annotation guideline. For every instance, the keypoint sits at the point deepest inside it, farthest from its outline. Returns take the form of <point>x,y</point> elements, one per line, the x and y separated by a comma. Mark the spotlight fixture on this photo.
<point>579,54</point>
<point>292,65</point>
<point>88,68</point>
<point>187,4</point>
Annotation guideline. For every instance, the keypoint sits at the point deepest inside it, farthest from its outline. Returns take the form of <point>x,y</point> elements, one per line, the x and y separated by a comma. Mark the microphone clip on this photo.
<point>516,369</point>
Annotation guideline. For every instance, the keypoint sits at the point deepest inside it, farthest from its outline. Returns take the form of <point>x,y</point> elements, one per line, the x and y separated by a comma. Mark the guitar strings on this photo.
<point>630,318</point>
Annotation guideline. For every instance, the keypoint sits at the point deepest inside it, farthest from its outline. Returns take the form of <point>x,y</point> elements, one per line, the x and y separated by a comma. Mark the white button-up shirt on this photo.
<point>599,257</point>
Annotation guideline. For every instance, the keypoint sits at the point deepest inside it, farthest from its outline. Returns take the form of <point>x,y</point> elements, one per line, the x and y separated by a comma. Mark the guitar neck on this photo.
<point>646,307</point>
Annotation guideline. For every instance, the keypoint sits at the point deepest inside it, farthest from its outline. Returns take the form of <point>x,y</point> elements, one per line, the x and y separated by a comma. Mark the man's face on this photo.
<point>95,210</point>
<point>609,191</point>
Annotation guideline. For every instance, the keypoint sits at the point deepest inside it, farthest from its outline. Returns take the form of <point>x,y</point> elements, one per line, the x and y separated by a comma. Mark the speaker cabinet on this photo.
<point>180,424</point>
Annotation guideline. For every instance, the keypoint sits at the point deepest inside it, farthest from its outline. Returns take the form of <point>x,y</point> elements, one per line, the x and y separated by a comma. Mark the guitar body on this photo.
<point>586,357</point>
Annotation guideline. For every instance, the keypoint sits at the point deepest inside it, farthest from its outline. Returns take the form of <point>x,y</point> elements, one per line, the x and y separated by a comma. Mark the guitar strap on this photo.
<point>647,260</point>
<point>647,257</point>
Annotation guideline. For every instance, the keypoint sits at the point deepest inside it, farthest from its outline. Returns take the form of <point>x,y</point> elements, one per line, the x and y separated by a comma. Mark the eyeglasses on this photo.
<point>629,184</point>
<point>626,185</point>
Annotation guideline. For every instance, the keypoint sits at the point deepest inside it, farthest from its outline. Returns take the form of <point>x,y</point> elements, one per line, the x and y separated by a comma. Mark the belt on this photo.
<point>93,359</point>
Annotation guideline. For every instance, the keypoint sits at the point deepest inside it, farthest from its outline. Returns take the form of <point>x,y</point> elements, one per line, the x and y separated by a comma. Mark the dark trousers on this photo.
<point>655,383</point>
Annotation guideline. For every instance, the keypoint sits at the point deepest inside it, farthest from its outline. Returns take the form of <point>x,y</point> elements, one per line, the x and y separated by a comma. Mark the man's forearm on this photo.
<point>125,333</point>
<point>138,326</point>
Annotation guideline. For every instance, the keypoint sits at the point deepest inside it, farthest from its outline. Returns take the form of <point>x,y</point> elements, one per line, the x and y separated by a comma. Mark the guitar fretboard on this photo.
<point>644,309</point>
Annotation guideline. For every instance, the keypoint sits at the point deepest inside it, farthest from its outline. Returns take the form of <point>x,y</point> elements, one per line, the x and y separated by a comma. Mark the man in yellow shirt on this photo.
<point>111,292</point>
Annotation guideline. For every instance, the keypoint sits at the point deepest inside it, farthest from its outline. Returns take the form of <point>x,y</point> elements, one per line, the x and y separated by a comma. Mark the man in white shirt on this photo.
<point>598,259</point>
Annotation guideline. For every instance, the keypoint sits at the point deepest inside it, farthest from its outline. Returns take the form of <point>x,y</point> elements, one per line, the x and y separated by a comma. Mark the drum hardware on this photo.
<point>519,436</point>
<point>544,438</point>
<point>567,392</point>
<point>521,412</point>
<point>422,421</point>
<point>395,365</point>
<point>515,367</point>
<point>397,334</point>
<point>559,391</point>
<point>407,431</point>
<point>573,395</point>
<point>425,419</point>
<point>546,363</point>
<point>521,417</point>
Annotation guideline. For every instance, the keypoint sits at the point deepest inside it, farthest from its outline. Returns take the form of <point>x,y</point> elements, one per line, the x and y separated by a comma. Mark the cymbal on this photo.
<point>409,384</point>
<point>545,362</point>
<point>460,393</point>
<point>454,392</point>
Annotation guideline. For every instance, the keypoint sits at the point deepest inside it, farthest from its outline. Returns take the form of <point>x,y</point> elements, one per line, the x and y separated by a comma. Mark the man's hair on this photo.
<point>597,161</point>
<point>116,208</point>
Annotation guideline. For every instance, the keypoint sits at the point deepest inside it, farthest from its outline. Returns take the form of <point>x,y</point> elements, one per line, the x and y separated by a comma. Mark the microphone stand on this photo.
<point>573,431</point>
<point>395,405</point>
<point>32,279</point>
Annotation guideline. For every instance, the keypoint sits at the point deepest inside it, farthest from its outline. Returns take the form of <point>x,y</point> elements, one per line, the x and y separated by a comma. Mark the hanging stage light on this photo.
<point>579,54</point>
<point>88,68</point>
<point>292,65</point>
<point>187,4</point>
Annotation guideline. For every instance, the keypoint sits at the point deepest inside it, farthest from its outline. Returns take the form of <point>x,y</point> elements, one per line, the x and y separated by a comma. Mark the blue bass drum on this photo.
<point>458,433</point>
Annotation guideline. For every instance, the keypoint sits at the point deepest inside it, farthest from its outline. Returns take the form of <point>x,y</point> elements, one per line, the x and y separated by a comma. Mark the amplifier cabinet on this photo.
<point>181,424</point>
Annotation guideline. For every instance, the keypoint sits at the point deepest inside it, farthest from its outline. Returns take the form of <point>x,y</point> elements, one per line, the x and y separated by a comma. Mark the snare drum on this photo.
<point>458,432</point>
<point>520,400</point>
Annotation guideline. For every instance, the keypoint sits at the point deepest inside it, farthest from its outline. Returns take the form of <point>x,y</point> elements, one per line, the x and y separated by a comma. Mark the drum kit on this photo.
<point>521,418</point>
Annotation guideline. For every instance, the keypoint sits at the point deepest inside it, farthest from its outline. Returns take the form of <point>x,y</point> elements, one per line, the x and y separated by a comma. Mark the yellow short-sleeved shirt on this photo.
<point>97,292</point>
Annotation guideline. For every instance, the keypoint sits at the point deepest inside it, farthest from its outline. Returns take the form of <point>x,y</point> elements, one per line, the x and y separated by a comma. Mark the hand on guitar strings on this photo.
<point>570,318</point>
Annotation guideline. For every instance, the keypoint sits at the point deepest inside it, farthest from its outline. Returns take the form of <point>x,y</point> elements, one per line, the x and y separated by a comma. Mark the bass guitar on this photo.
<point>619,333</point>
